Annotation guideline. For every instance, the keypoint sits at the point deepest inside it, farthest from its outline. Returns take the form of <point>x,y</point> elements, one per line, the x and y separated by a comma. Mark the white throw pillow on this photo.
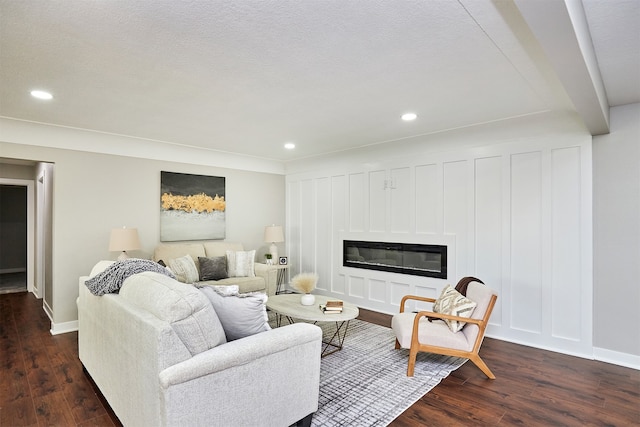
<point>241,315</point>
<point>185,269</point>
<point>454,303</point>
<point>240,263</point>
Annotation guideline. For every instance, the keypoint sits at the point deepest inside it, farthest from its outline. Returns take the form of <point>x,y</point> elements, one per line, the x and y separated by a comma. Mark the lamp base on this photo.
<point>123,256</point>
<point>273,250</point>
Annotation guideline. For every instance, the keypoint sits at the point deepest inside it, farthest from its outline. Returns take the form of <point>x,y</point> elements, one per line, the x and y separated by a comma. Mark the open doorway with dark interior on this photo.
<point>13,238</point>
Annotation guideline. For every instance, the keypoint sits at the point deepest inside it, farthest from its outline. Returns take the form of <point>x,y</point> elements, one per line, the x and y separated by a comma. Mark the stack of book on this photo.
<point>331,307</point>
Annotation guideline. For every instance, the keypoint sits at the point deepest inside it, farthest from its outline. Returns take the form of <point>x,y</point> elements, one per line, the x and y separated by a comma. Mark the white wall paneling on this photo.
<point>488,215</point>
<point>357,199</point>
<point>401,204</point>
<point>308,218</point>
<point>426,193</point>
<point>292,233</point>
<point>378,201</point>
<point>567,322</point>
<point>322,237</point>
<point>377,291</point>
<point>511,214</point>
<point>526,243</point>
<point>339,203</point>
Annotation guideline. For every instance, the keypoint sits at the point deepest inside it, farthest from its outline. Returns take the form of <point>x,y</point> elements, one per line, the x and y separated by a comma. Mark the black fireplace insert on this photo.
<point>406,258</point>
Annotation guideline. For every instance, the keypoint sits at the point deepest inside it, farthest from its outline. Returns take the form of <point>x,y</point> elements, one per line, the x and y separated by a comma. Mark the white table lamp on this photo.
<point>124,239</point>
<point>273,234</point>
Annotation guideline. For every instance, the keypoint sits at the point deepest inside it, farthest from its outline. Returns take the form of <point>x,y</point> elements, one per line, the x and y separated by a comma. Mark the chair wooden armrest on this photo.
<point>447,316</point>
<point>415,298</point>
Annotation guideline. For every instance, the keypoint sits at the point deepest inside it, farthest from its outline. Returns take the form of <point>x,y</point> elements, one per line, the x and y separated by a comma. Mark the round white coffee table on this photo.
<point>289,307</point>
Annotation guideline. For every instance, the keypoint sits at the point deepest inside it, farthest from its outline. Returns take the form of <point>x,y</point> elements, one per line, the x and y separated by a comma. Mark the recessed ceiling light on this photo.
<point>41,94</point>
<point>289,145</point>
<point>409,117</point>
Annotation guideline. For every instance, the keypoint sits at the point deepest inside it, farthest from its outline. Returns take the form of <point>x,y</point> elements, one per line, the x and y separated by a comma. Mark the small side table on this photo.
<point>281,273</point>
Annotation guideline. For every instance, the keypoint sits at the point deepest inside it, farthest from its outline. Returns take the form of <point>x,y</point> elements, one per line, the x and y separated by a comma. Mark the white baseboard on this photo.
<point>36,292</point>
<point>63,328</point>
<point>617,358</point>
<point>59,328</point>
<point>47,310</point>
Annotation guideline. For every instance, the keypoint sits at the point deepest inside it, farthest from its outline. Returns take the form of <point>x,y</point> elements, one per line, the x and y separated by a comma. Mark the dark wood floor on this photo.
<point>42,383</point>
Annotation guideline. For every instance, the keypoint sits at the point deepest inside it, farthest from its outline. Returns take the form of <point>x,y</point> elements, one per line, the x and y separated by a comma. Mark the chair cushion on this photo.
<point>454,303</point>
<point>431,333</point>
<point>184,307</point>
<point>481,294</point>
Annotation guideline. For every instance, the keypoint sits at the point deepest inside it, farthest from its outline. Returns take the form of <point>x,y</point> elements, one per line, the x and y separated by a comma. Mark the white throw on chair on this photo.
<point>416,332</point>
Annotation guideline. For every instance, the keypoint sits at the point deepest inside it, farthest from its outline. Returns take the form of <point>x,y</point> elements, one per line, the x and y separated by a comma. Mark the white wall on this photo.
<point>94,193</point>
<point>616,210</point>
<point>511,200</point>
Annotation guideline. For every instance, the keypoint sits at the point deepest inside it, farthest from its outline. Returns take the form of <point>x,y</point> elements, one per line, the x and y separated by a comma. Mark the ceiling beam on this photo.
<point>561,29</point>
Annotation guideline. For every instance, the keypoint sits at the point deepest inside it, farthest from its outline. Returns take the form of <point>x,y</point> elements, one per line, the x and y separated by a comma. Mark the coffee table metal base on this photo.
<point>331,345</point>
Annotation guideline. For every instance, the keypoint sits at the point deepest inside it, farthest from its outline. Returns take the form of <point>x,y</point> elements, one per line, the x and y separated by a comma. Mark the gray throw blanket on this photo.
<point>111,279</point>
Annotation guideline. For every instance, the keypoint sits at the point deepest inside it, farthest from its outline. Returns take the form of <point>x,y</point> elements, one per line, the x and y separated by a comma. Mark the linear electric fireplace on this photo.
<point>406,258</point>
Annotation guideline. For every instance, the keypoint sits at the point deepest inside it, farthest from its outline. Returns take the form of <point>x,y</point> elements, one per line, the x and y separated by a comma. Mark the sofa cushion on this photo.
<point>240,263</point>
<point>184,268</point>
<point>241,315</point>
<point>244,284</point>
<point>213,268</point>
<point>111,278</point>
<point>454,303</point>
<point>190,314</point>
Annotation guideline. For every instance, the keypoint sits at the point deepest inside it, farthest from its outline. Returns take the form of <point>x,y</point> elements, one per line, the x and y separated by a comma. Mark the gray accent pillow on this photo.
<point>241,315</point>
<point>185,269</point>
<point>111,278</point>
<point>213,268</point>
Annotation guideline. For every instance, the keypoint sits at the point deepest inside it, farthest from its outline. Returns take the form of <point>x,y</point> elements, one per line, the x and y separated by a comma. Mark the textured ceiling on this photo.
<point>246,76</point>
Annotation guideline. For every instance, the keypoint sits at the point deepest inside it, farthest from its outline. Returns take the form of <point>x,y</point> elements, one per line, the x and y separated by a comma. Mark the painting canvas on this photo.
<point>192,207</point>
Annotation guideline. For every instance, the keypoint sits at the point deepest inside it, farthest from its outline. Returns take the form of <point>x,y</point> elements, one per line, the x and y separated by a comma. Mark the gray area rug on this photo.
<point>366,383</point>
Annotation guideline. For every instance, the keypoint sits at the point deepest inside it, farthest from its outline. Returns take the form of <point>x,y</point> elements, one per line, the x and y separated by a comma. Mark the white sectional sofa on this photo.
<point>156,354</point>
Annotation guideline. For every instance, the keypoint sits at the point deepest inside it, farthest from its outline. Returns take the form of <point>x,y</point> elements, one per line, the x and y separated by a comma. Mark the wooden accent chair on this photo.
<point>417,333</point>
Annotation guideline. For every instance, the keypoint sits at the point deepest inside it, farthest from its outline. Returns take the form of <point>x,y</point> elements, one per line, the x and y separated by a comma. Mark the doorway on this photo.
<point>13,238</point>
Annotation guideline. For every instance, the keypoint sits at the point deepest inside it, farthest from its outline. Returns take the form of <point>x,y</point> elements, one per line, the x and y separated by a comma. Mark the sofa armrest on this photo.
<point>241,352</point>
<point>276,373</point>
<point>270,275</point>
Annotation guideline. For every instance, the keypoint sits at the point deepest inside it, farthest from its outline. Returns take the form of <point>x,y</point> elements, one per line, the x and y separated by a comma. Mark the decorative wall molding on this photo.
<point>517,215</point>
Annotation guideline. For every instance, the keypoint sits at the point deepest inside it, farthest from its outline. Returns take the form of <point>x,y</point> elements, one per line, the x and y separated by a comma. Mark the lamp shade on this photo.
<point>124,239</point>
<point>273,234</point>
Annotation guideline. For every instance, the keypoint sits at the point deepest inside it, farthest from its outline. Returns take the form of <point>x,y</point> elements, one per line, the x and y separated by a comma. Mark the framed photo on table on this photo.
<point>282,260</point>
